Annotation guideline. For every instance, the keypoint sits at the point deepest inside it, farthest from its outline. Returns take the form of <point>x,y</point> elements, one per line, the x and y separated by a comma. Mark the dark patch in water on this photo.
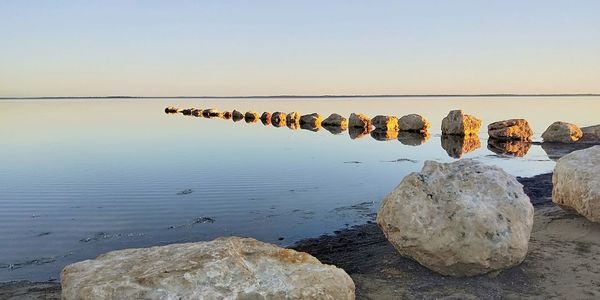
<point>402,160</point>
<point>353,162</point>
<point>44,233</point>
<point>37,261</point>
<point>199,220</point>
<point>185,192</point>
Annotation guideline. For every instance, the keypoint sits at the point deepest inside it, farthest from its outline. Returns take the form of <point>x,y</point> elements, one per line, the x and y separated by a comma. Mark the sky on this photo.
<point>170,48</point>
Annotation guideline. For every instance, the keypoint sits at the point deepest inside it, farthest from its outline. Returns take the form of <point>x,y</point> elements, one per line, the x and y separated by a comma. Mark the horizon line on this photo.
<point>309,96</point>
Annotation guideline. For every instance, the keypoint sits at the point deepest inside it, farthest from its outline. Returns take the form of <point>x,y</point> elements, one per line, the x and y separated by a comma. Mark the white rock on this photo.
<point>456,122</point>
<point>576,183</point>
<point>460,219</point>
<point>562,132</point>
<point>225,268</point>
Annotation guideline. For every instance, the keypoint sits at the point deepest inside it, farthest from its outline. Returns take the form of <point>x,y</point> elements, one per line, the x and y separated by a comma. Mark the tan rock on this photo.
<point>513,129</point>
<point>458,145</point>
<point>386,123</point>
<point>562,132</point>
<point>413,122</point>
<point>335,120</point>
<point>360,120</point>
<point>225,268</point>
<point>591,134</point>
<point>278,119</point>
<point>576,183</point>
<point>459,219</point>
<point>458,123</point>
<point>265,118</point>
<point>509,147</point>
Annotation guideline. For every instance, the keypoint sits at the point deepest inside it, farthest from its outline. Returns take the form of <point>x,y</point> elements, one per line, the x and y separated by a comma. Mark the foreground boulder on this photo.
<point>460,219</point>
<point>237,115</point>
<point>457,145</point>
<point>576,183</point>
<point>385,123</point>
<point>360,121</point>
<point>562,132</point>
<point>225,268</point>
<point>265,118</point>
<point>591,134</point>
<point>335,120</point>
<point>278,119</point>
<point>513,129</point>
<point>458,123</point>
<point>313,120</point>
<point>413,122</point>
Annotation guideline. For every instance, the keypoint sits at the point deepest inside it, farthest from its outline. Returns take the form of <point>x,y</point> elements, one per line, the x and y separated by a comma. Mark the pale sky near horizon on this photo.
<point>169,48</point>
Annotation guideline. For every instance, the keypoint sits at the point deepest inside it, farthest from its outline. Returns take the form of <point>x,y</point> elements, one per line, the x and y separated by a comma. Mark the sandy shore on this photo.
<point>563,262</point>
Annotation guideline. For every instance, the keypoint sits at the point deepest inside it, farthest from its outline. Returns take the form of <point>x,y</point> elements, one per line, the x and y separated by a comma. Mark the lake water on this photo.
<point>82,177</point>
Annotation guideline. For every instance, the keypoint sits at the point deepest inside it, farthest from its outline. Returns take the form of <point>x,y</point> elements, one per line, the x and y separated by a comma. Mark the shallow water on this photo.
<point>82,177</point>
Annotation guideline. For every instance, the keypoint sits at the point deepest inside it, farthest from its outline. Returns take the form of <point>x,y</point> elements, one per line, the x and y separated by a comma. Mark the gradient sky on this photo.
<point>160,48</point>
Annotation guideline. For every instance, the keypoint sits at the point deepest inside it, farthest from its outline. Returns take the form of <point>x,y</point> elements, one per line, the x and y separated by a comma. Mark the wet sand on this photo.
<point>562,262</point>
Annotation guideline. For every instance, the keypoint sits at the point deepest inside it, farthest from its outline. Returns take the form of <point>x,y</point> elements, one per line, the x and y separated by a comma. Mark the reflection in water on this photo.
<point>237,116</point>
<point>335,129</point>
<point>509,147</point>
<point>278,119</point>
<point>413,138</point>
<point>358,132</point>
<point>251,117</point>
<point>309,126</point>
<point>457,145</point>
<point>384,135</point>
<point>558,150</point>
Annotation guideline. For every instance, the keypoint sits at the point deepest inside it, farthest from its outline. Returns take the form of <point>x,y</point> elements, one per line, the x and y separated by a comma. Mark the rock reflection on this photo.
<point>311,127</point>
<point>358,132</point>
<point>334,129</point>
<point>265,118</point>
<point>237,116</point>
<point>509,147</point>
<point>413,138</point>
<point>384,135</point>
<point>558,150</point>
<point>251,117</point>
<point>278,119</point>
<point>457,145</point>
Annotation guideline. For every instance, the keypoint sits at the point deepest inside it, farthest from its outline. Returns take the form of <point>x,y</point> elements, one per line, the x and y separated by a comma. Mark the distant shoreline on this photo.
<point>300,96</point>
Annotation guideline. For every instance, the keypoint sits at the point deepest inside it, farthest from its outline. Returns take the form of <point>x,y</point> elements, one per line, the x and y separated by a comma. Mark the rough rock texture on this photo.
<point>562,132</point>
<point>591,134</point>
<point>456,122</point>
<point>278,119</point>
<point>251,117</point>
<point>265,118</point>
<point>385,123</point>
<point>413,138</point>
<point>237,115</point>
<point>513,129</point>
<point>413,122</point>
<point>335,120</point>
<point>293,120</point>
<point>314,120</point>
<point>576,183</point>
<point>230,268</point>
<point>509,147</point>
<point>457,145</point>
<point>460,219</point>
<point>384,135</point>
<point>359,120</point>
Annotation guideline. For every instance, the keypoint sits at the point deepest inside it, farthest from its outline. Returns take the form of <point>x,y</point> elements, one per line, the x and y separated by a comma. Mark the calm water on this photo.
<point>82,177</point>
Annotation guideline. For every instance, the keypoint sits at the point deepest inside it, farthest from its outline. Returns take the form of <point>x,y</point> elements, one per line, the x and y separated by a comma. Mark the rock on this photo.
<point>265,118</point>
<point>357,132</point>
<point>413,122</point>
<point>457,145</point>
<point>309,126</point>
<point>576,183</point>
<point>386,123</point>
<point>360,120</point>
<point>251,117</point>
<point>225,268</point>
<point>456,122</point>
<point>172,110</point>
<point>278,119</point>
<point>209,113</point>
<point>459,219</point>
<point>413,138</point>
<point>509,147</point>
<point>197,112</point>
<point>562,132</point>
<point>335,120</point>
<point>591,134</point>
<point>513,129</point>
<point>227,115</point>
<point>293,119</point>
<point>383,135</point>
<point>187,111</point>
<point>314,120</point>
<point>237,115</point>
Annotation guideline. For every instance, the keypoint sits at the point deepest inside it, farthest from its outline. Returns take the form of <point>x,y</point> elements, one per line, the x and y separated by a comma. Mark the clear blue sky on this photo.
<point>159,48</point>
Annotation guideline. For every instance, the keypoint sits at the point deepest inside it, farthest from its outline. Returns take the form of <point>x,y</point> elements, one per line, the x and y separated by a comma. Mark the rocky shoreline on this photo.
<point>561,262</point>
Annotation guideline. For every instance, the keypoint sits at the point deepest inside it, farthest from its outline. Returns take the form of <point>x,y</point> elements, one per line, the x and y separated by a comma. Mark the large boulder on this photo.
<point>360,121</point>
<point>576,183</point>
<point>457,145</point>
<point>225,268</point>
<point>335,120</point>
<point>385,123</point>
<point>562,132</point>
<point>278,119</point>
<point>513,129</point>
<point>413,122</point>
<point>313,120</point>
<point>591,134</point>
<point>460,219</point>
<point>459,123</point>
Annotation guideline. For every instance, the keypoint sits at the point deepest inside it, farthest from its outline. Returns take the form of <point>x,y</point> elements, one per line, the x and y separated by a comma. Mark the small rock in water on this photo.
<point>459,123</point>
<point>251,117</point>
<point>456,145</point>
<point>203,220</point>
<point>385,123</point>
<point>265,118</point>
<point>360,121</point>
<point>278,119</point>
<point>413,123</point>
<point>335,120</point>
<point>237,116</point>
<point>313,120</point>
<point>185,192</point>
<point>562,132</point>
<point>513,129</point>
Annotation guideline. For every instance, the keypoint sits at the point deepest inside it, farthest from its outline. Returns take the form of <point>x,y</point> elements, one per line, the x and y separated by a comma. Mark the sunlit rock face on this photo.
<point>227,115</point>
<point>335,120</point>
<point>357,132</point>
<point>591,134</point>
<point>278,119</point>
<point>459,219</point>
<point>251,117</point>
<point>386,123</point>
<point>225,268</point>
<point>237,116</point>
<point>360,121</point>
<point>265,118</point>
<point>384,135</point>
<point>293,120</point>
<point>458,145</point>
<point>576,183</point>
<point>413,122</point>
<point>509,147</point>
<point>514,129</point>
<point>562,132</point>
<point>413,138</point>
<point>313,120</point>
<point>458,123</point>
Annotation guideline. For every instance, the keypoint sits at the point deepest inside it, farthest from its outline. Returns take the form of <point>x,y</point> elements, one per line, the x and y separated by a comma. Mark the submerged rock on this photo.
<point>591,134</point>
<point>459,219</point>
<point>413,122</point>
<point>360,120</point>
<point>384,135</point>
<point>386,123</point>
<point>458,123</point>
<point>251,117</point>
<point>335,120</point>
<point>413,138</point>
<point>509,147</point>
<point>576,183</point>
<point>265,118</point>
<point>314,120</point>
<point>278,119</point>
<point>562,132</point>
<point>457,145</point>
<point>237,115</point>
<point>225,268</point>
<point>513,129</point>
